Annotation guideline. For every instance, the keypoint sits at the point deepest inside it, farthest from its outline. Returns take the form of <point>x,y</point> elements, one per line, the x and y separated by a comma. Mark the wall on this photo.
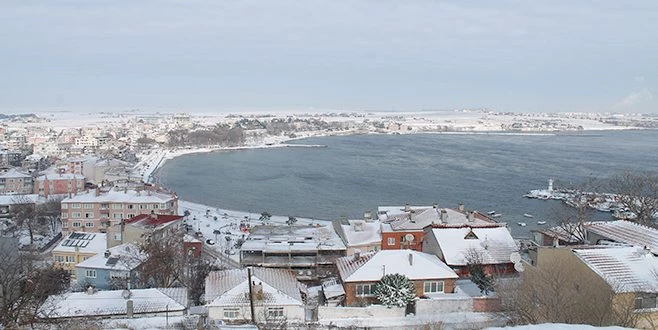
<point>398,235</point>
<point>374,311</point>
<point>447,305</point>
<point>487,304</point>
<point>291,312</point>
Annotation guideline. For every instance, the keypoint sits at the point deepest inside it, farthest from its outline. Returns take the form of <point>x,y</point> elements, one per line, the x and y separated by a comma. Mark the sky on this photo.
<point>525,56</point>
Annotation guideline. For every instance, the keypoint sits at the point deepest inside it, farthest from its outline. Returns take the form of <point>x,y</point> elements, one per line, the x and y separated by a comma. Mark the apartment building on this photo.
<point>78,247</point>
<point>16,182</point>
<point>96,210</point>
<point>59,184</point>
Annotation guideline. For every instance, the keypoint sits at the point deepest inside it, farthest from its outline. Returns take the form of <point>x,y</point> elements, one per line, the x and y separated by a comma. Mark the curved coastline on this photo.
<point>282,142</point>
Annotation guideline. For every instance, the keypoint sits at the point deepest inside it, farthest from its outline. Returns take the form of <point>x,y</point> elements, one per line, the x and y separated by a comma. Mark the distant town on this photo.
<point>90,239</point>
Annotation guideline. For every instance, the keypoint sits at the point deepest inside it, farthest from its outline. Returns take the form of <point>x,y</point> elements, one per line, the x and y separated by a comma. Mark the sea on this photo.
<point>353,174</point>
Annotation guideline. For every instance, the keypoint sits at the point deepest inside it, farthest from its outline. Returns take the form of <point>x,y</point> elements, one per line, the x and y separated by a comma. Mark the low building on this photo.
<point>275,293</point>
<point>139,227</point>
<point>403,227</point>
<point>490,246</point>
<point>92,304</point>
<point>360,273</point>
<point>78,247</point>
<point>359,235</point>
<point>116,268</point>
<point>311,251</point>
<point>623,231</point>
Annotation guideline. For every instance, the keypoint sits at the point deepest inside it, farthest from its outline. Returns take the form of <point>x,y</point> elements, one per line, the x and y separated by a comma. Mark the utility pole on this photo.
<point>251,296</point>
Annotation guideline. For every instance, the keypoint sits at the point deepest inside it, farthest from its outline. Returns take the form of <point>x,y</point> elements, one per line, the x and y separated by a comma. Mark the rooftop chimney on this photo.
<point>129,308</point>
<point>411,259</point>
<point>407,208</point>
<point>367,215</point>
<point>107,253</point>
<point>444,215</point>
<point>471,216</point>
<point>461,207</point>
<point>98,192</point>
<point>435,206</point>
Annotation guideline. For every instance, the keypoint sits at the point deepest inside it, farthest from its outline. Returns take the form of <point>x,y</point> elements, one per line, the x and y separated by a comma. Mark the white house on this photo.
<point>276,295</point>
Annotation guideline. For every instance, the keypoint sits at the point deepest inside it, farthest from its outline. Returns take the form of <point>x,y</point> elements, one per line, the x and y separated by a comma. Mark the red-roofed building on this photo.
<point>135,229</point>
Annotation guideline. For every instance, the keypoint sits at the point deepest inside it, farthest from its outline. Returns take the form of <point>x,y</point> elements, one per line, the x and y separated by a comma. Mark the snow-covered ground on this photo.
<point>555,326</point>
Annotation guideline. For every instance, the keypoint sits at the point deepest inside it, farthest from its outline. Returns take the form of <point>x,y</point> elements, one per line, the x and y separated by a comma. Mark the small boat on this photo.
<point>496,215</point>
<point>522,224</point>
<point>491,212</point>
<point>541,222</point>
<point>528,215</point>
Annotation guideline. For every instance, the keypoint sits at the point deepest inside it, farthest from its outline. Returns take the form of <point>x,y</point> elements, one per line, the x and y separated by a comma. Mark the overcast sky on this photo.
<point>375,55</point>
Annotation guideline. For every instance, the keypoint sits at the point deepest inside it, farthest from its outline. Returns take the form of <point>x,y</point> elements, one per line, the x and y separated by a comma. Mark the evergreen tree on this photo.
<point>395,290</point>
<point>484,282</point>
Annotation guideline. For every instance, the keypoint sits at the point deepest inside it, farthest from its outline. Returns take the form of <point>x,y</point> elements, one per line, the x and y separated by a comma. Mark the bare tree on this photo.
<point>638,192</point>
<point>25,283</point>
<point>50,213</point>
<point>25,215</point>
<point>575,211</point>
<point>554,293</point>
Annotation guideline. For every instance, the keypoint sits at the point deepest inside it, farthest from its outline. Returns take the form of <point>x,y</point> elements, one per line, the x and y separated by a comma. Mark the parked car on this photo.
<point>210,242</point>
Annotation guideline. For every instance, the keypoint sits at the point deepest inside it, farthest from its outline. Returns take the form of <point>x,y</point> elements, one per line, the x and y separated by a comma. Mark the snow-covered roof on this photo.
<point>374,265</point>
<point>124,257</point>
<point>18,199</point>
<point>105,303</point>
<point>625,269</point>
<point>361,232</point>
<point>231,287</point>
<point>568,232</point>
<point>153,220</point>
<point>60,176</point>
<point>332,288</point>
<point>13,173</point>
<point>83,242</point>
<point>492,245</point>
<point>628,232</point>
<point>293,238</point>
<point>122,196</point>
<point>419,217</point>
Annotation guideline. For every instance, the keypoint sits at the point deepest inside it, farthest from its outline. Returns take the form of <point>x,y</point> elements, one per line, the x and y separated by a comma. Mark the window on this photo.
<point>365,290</point>
<point>65,215</point>
<point>645,301</point>
<point>391,241</point>
<point>105,206</point>
<point>65,206</point>
<point>130,215</point>
<point>143,206</point>
<point>59,258</point>
<point>75,215</point>
<point>231,313</point>
<point>88,206</point>
<point>89,215</point>
<point>117,215</point>
<point>75,205</point>
<point>117,206</point>
<point>275,312</point>
<point>65,224</point>
<point>117,236</point>
<point>75,224</point>
<point>70,258</point>
<point>89,224</point>
<point>130,206</point>
<point>156,206</point>
<point>433,286</point>
<point>90,273</point>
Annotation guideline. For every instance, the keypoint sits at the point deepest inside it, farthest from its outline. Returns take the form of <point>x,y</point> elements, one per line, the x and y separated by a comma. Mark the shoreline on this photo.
<point>281,142</point>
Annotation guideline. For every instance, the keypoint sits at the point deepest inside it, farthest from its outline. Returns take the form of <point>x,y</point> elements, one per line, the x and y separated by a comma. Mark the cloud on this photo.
<point>634,98</point>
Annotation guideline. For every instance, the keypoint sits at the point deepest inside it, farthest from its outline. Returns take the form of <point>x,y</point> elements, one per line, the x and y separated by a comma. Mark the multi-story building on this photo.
<point>8,157</point>
<point>16,182</point>
<point>140,227</point>
<point>310,251</point>
<point>59,184</point>
<point>403,227</point>
<point>96,210</point>
<point>78,247</point>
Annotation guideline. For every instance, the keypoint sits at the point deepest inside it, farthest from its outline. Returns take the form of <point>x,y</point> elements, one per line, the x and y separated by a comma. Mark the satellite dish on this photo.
<point>519,267</point>
<point>409,237</point>
<point>515,257</point>
<point>126,294</point>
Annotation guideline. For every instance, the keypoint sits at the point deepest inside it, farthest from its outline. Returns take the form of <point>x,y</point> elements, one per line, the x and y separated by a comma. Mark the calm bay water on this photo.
<point>358,173</point>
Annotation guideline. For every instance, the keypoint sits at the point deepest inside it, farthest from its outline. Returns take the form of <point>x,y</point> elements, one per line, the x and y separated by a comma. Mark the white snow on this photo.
<point>553,326</point>
<point>374,265</point>
<point>492,245</point>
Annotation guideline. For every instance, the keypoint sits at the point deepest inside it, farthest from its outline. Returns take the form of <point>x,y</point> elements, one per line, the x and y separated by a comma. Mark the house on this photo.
<point>626,274</point>
<point>275,293</point>
<point>489,245</point>
<point>78,247</point>
<point>14,181</point>
<point>137,228</point>
<point>117,267</point>
<point>622,231</point>
<point>311,251</point>
<point>97,209</point>
<point>361,272</point>
<point>92,304</point>
<point>566,234</point>
<point>402,227</point>
<point>59,184</point>
<point>8,201</point>
<point>359,235</point>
